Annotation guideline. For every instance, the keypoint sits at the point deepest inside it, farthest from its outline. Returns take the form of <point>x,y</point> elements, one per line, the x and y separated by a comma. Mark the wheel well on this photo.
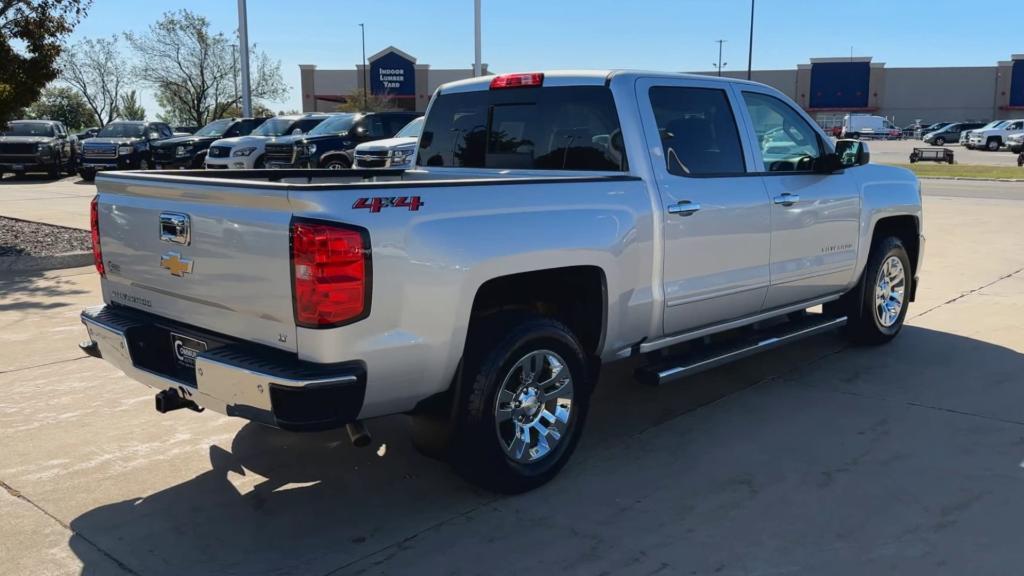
<point>575,296</point>
<point>906,229</point>
<point>329,155</point>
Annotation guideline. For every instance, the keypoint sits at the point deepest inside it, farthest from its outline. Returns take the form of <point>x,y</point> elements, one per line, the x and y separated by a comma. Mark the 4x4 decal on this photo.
<point>376,203</point>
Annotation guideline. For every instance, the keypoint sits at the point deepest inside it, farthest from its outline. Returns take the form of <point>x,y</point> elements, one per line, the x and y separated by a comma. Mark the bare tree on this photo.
<point>98,71</point>
<point>192,69</point>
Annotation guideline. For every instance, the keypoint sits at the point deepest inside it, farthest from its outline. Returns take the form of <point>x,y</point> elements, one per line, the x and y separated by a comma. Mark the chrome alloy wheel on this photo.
<point>533,406</point>
<point>890,289</point>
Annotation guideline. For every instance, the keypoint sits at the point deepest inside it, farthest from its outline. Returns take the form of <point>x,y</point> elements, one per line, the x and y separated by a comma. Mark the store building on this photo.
<point>390,73</point>
<point>830,88</point>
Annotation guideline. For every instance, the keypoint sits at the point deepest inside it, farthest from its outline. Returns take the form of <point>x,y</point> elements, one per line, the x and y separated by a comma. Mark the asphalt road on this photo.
<point>819,458</point>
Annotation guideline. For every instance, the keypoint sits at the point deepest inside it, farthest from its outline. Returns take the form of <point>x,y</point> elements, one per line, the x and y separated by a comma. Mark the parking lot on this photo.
<point>814,459</point>
<point>898,152</point>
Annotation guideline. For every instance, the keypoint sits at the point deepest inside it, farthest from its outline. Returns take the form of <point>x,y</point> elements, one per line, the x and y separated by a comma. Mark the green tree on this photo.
<point>98,70</point>
<point>360,101</point>
<point>193,72</point>
<point>64,105</point>
<point>31,32</point>
<point>131,108</point>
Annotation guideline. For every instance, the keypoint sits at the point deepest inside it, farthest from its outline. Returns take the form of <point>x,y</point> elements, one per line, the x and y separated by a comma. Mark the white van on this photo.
<point>864,126</point>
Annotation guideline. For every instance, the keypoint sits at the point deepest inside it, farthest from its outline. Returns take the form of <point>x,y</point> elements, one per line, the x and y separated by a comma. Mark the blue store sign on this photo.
<point>393,75</point>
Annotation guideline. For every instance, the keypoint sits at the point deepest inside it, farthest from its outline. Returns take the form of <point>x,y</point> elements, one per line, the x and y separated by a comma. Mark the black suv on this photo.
<point>121,145</point>
<point>190,151</point>
<point>330,144</point>
<point>37,146</point>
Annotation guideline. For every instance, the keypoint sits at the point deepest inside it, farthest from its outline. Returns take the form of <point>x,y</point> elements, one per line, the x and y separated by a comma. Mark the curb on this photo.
<point>38,263</point>
<point>970,179</point>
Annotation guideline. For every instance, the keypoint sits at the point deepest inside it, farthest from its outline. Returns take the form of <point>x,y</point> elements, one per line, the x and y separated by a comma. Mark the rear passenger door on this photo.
<point>815,217</point>
<point>715,212</point>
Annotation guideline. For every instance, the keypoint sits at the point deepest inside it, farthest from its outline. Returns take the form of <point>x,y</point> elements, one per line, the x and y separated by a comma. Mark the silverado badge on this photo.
<point>176,264</point>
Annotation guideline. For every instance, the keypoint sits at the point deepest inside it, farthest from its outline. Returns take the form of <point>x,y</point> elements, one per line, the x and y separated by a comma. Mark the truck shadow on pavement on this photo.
<point>33,290</point>
<point>313,504</point>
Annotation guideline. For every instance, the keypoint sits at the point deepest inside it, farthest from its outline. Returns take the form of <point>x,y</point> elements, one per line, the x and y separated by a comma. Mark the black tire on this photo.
<point>260,163</point>
<point>19,173</point>
<point>72,168</point>
<point>198,162</point>
<point>88,175</point>
<point>337,163</point>
<point>859,305</point>
<point>493,351</point>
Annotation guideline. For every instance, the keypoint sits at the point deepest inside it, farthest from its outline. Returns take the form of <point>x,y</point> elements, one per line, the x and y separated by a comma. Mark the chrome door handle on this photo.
<point>684,208</point>
<point>786,199</point>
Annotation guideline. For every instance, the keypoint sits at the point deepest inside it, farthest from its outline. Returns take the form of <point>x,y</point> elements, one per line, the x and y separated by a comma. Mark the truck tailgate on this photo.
<point>213,255</point>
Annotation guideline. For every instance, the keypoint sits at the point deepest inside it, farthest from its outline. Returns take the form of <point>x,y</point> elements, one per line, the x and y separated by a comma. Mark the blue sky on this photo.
<point>675,35</point>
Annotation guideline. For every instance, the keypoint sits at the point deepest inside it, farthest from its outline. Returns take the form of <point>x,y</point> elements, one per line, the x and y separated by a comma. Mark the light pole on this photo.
<point>234,70</point>
<point>750,54</point>
<point>477,67</point>
<point>366,71</point>
<point>720,63</point>
<point>243,49</point>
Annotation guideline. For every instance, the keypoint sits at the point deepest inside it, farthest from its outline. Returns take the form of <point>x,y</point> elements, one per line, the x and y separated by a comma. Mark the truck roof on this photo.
<point>582,78</point>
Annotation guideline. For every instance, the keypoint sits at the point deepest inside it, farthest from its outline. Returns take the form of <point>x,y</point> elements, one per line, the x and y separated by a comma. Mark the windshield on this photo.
<point>29,129</point>
<point>994,124</point>
<point>412,129</point>
<point>274,127</point>
<point>120,130</point>
<point>334,125</point>
<point>215,128</point>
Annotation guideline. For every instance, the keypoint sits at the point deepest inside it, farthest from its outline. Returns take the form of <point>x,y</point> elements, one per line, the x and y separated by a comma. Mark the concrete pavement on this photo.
<point>813,459</point>
<point>64,202</point>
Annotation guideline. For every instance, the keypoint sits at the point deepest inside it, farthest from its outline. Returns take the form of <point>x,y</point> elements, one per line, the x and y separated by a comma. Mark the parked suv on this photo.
<point>37,146</point>
<point>123,145</point>
<point>950,132</point>
<point>993,136</point>
<point>247,152</point>
<point>397,152</point>
<point>190,151</point>
<point>330,144</point>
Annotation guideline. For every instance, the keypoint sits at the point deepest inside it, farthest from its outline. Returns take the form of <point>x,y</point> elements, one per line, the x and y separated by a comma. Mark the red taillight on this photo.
<point>330,274</point>
<point>94,226</point>
<point>517,80</point>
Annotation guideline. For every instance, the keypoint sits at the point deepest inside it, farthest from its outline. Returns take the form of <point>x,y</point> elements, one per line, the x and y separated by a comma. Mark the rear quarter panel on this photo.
<point>428,265</point>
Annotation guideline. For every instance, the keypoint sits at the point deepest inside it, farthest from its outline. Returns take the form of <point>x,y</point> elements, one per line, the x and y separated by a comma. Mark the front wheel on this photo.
<point>337,164</point>
<point>525,394</point>
<point>994,144</point>
<point>877,307</point>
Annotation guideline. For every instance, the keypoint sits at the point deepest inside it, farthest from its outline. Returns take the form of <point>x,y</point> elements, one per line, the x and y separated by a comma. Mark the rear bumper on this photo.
<point>233,378</point>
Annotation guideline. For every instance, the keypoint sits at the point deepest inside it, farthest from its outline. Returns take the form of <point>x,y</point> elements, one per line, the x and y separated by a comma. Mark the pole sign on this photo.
<point>393,75</point>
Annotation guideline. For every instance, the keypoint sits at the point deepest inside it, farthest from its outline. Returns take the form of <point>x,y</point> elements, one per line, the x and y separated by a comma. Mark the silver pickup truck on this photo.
<point>554,221</point>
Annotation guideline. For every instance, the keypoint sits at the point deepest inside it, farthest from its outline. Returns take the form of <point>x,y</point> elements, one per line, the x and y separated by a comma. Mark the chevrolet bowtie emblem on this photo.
<point>176,264</point>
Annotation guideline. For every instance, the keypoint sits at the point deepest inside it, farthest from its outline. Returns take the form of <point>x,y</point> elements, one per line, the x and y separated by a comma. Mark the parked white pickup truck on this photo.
<point>556,221</point>
<point>994,135</point>
<point>397,152</point>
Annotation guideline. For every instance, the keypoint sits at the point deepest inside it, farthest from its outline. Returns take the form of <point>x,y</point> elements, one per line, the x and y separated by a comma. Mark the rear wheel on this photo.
<point>524,397</point>
<point>337,163</point>
<point>877,307</point>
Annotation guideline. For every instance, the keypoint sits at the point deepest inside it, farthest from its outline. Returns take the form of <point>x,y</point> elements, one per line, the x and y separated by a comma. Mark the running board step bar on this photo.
<point>713,355</point>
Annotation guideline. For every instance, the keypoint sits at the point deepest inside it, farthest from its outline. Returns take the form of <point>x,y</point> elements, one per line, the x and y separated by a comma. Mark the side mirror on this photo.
<point>853,153</point>
<point>297,132</point>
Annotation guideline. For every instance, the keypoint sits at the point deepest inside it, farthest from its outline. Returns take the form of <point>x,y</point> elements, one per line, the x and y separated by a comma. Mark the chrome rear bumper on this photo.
<point>234,378</point>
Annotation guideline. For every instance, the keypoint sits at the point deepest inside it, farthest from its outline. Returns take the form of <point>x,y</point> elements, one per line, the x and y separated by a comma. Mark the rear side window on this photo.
<point>698,131</point>
<point>561,128</point>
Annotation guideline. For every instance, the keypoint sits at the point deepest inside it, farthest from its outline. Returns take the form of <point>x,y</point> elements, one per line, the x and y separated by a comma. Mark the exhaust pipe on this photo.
<point>168,400</point>
<point>358,434</point>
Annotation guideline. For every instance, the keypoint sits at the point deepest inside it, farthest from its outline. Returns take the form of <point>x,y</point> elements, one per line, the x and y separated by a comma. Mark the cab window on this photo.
<point>556,128</point>
<point>698,131</point>
<point>788,142</point>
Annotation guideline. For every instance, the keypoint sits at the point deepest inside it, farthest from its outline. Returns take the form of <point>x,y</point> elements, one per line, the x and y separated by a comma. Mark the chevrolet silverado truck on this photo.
<point>190,151</point>
<point>992,136</point>
<point>330,144</point>
<point>555,222</point>
<point>122,145</point>
<point>37,146</point>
